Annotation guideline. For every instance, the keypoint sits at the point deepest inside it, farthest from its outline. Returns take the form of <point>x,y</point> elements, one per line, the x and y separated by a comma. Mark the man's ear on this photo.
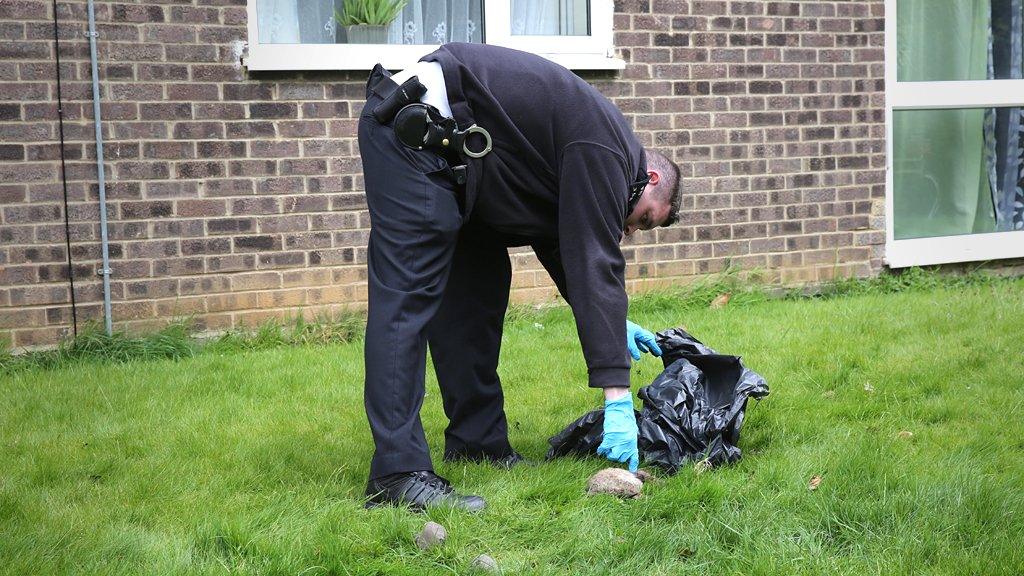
<point>655,177</point>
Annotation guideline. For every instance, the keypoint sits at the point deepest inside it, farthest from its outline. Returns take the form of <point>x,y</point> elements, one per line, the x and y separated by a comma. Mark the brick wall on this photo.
<point>236,196</point>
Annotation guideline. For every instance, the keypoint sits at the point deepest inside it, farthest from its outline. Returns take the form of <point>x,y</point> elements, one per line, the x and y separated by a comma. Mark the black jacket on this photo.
<point>558,178</point>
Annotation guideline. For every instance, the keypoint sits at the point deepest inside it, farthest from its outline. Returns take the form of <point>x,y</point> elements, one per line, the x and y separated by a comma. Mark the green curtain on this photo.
<point>940,175</point>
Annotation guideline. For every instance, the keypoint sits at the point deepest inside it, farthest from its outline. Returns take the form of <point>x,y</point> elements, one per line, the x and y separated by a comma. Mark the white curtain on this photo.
<point>296,21</point>
<point>547,18</point>
<point>437,22</point>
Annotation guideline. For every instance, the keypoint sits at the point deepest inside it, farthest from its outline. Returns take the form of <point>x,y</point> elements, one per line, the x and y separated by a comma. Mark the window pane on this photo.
<point>957,171</point>
<point>296,21</point>
<point>419,22</point>
<point>551,17</point>
<point>951,40</point>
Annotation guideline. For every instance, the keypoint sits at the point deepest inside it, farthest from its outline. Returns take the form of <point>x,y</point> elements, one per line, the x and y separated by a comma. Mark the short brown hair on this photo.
<point>671,180</point>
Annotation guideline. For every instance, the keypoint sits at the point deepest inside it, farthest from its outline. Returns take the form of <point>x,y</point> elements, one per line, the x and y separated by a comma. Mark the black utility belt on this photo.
<point>418,125</point>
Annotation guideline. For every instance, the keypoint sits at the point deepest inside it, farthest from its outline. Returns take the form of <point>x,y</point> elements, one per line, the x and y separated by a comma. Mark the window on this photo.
<point>306,35</point>
<point>955,118</point>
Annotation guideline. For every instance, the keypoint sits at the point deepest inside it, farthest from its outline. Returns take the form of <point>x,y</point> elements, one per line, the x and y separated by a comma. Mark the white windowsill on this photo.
<point>949,249</point>
<point>961,94</point>
<point>393,57</point>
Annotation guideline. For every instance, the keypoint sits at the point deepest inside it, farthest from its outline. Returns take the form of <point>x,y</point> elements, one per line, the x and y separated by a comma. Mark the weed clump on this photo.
<point>180,339</point>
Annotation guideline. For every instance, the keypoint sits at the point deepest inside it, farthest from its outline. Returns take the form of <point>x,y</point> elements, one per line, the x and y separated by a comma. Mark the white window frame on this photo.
<point>594,52</point>
<point>932,96</point>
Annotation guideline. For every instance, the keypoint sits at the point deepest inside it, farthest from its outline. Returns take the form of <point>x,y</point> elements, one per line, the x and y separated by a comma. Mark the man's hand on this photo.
<point>640,340</point>
<point>620,431</point>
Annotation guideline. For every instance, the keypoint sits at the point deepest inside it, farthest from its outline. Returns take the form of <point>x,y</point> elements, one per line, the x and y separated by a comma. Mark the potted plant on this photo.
<point>366,21</point>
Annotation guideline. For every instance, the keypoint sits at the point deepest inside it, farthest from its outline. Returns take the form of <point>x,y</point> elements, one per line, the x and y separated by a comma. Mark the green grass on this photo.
<point>250,456</point>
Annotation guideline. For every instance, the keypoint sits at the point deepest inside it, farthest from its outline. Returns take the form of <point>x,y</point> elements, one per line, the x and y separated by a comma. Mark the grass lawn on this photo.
<point>255,462</point>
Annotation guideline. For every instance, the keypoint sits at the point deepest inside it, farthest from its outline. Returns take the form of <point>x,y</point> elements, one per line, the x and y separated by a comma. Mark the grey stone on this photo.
<point>615,481</point>
<point>433,534</point>
<point>484,563</point>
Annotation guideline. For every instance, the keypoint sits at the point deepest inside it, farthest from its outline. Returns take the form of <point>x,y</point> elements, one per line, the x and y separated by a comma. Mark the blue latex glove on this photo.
<point>619,442</point>
<point>639,340</point>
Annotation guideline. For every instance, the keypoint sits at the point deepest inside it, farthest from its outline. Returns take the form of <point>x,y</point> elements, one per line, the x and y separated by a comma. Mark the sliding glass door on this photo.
<point>955,110</point>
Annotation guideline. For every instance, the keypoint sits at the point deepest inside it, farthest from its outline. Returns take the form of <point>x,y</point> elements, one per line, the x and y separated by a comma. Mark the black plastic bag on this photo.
<point>692,411</point>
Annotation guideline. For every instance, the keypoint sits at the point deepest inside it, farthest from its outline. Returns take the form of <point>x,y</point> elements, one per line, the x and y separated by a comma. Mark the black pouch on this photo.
<point>397,98</point>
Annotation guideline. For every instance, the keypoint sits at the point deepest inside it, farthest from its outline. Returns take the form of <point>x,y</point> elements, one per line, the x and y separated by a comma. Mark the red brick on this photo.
<point>201,208</point>
<point>194,15</point>
<point>198,130</point>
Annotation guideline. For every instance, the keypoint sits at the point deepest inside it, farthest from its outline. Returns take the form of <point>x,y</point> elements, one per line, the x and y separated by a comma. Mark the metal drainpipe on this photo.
<point>99,167</point>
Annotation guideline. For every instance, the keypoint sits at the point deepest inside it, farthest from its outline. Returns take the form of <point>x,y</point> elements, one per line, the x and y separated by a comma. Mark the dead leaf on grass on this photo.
<point>721,300</point>
<point>905,434</point>
<point>813,484</point>
<point>702,466</point>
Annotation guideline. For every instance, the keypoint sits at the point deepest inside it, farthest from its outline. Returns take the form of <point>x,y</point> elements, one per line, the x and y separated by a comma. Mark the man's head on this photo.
<point>659,203</point>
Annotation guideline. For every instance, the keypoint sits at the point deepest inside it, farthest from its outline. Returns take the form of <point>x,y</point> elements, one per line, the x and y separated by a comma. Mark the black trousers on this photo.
<point>430,280</point>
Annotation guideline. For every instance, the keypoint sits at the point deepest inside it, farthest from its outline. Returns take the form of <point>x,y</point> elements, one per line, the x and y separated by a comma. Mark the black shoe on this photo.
<point>419,490</point>
<point>504,462</point>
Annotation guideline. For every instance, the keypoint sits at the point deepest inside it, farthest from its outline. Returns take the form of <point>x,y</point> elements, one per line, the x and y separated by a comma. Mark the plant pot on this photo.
<point>362,34</point>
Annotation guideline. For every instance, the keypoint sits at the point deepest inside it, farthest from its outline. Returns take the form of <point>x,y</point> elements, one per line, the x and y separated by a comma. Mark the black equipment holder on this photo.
<point>420,125</point>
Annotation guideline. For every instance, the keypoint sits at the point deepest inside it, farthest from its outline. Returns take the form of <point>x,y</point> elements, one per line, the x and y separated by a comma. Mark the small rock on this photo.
<point>615,481</point>
<point>433,534</point>
<point>485,563</point>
